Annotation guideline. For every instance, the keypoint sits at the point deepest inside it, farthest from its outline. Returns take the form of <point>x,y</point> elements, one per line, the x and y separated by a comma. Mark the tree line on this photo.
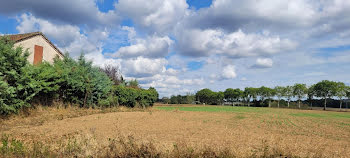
<point>179,99</point>
<point>67,80</point>
<point>264,96</point>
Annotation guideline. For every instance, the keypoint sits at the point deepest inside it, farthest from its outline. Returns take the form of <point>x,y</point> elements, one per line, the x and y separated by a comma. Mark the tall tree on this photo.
<point>220,97</point>
<point>288,92</point>
<point>299,91</point>
<point>310,94</point>
<point>325,89</point>
<point>249,94</point>
<point>347,95</point>
<point>205,96</point>
<point>279,93</point>
<point>265,92</point>
<point>232,95</point>
<point>340,92</point>
<point>229,94</point>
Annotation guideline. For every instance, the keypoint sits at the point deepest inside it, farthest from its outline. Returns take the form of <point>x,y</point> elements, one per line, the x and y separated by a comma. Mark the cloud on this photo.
<point>228,72</point>
<point>197,43</point>
<point>233,39</point>
<point>73,12</point>
<point>143,67</point>
<point>151,47</point>
<point>232,15</point>
<point>263,63</point>
<point>67,37</point>
<point>155,16</point>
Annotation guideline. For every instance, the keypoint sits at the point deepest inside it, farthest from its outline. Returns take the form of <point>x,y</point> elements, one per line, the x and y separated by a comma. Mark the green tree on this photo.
<point>279,93</point>
<point>311,93</point>
<point>133,84</point>
<point>220,97</point>
<point>165,100</point>
<point>340,92</point>
<point>249,93</point>
<point>288,92</point>
<point>270,94</point>
<point>204,96</point>
<point>299,91</point>
<point>189,98</point>
<point>229,94</point>
<point>326,89</point>
<point>82,83</point>
<point>265,93</point>
<point>232,95</point>
<point>17,88</point>
<point>347,94</point>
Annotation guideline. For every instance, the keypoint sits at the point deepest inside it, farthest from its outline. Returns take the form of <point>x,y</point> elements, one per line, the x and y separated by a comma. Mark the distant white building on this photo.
<point>38,45</point>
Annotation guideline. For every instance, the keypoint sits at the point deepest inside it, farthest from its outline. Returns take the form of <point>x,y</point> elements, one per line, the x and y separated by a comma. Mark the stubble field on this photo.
<point>240,131</point>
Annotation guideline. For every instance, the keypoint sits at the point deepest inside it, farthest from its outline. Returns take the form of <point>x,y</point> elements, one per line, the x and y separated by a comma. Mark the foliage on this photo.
<point>132,97</point>
<point>233,94</point>
<point>325,89</point>
<point>114,73</point>
<point>249,93</point>
<point>68,80</point>
<point>81,83</point>
<point>288,91</point>
<point>16,87</point>
<point>300,91</point>
<point>185,99</point>
<point>280,92</point>
<point>209,97</point>
<point>133,84</point>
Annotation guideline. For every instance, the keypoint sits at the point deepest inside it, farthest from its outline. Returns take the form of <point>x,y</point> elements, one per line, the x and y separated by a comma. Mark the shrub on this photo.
<point>132,97</point>
<point>80,82</point>
<point>16,87</point>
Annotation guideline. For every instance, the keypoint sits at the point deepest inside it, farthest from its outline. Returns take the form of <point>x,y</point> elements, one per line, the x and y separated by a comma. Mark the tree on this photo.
<point>340,92</point>
<point>265,92</point>
<point>133,84</point>
<point>205,96</point>
<point>165,100</point>
<point>310,94</point>
<point>288,92</point>
<point>232,95</point>
<point>325,89</point>
<point>299,91</point>
<point>347,94</point>
<point>249,93</point>
<point>114,73</point>
<point>220,97</point>
<point>279,93</point>
<point>17,86</point>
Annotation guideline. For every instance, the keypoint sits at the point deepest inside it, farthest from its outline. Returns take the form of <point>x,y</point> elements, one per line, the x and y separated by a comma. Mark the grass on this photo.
<point>323,115</point>
<point>237,109</point>
<point>214,109</point>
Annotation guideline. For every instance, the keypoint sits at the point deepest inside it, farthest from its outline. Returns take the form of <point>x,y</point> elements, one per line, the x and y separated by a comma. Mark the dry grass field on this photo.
<point>176,130</point>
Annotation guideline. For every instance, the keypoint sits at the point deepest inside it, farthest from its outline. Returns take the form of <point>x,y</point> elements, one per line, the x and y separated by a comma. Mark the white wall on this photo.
<point>49,53</point>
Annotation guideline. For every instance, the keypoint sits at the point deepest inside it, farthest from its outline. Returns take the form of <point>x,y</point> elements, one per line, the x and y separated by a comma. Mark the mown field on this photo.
<point>180,131</point>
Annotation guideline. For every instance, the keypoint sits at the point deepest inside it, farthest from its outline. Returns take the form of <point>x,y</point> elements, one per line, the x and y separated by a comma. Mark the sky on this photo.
<point>182,46</point>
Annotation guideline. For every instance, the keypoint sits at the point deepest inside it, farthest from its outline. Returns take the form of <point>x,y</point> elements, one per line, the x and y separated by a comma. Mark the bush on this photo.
<point>16,86</point>
<point>80,82</point>
<point>67,80</point>
<point>132,97</point>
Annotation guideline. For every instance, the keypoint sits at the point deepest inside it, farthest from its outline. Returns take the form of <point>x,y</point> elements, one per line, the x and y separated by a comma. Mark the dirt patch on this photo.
<point>244,133</point>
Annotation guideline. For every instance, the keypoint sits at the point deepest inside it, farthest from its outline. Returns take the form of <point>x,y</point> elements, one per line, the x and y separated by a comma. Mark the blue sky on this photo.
<point>181,46</point>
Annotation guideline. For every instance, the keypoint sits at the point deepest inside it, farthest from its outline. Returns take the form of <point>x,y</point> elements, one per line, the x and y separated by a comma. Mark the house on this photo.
<point>38,46</point>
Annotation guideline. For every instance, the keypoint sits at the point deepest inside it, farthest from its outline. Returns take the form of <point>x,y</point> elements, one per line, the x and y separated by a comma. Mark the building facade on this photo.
<point>39,47</point>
